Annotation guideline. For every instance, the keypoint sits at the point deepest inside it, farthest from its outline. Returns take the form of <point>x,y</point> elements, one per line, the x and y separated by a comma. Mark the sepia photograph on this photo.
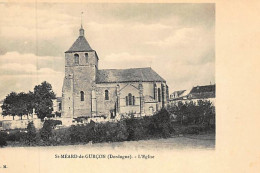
<point>108,73</point>
<point>128,87</point>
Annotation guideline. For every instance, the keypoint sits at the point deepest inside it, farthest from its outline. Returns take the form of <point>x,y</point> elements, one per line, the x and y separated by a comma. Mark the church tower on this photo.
<point>81,66</point>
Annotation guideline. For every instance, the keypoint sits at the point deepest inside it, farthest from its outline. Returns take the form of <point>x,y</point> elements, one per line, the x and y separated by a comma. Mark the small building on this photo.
<point>206,92</point>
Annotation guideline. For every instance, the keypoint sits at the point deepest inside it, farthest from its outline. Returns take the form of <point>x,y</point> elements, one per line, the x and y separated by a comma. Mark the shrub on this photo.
<point>16,136</point>
<point>46,131</point>
<point>53,123</point>
<point>110,132</point>
<point>3,138</point>
<point>138,128</point>
<point>82,133</point>
<point>31,134</point>
<point>12,137</point>
<point>161,124</point>
<point>194,113</point>
<point>98,132</point>
<point>61,136</point>
<point>195,129</point>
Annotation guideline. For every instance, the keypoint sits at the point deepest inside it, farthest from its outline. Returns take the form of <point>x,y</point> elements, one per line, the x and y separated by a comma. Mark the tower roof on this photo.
<point>81,44</point>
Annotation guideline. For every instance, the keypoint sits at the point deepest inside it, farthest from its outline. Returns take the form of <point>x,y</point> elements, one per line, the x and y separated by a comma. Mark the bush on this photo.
<point>161,124</point>
<point>46,130</point>
<point>192,129</point>
<point>61,136</point>
<point>3,139</point>
<point>81,133</point>
<point>98,132</point>
<point>138,128</point>
<point>110,132</point>
<point>31,134</point>
<point>16,136</point>
<point>191,112</point>
<point>53,123</point>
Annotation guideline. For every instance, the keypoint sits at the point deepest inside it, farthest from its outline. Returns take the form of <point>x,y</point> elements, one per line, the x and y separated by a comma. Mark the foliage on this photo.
<point>191,119</point>
<point>31,134</point>
<point>46,131</point>
<point>18,104</point>
<point>98,132</point>
<point>137,128</point>
<point>61,136</point>
<point>16,136</point>
<point>195,129</point>
<point>3,139</point>
<point>201,112</point>
<point>9,105</point>
<point>43,96</point>
<point>161,124</point>
<point>54,122</point>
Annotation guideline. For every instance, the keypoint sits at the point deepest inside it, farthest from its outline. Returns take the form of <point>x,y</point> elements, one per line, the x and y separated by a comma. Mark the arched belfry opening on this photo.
<point>76,58</point>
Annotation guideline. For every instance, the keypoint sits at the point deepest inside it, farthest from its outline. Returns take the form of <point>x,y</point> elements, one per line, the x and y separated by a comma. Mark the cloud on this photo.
<point>25,83</point>
<point>125,60</point>
<point>23,21</point>
<point>21,72</point>
<point>177,40</point>
<point>16,58</point>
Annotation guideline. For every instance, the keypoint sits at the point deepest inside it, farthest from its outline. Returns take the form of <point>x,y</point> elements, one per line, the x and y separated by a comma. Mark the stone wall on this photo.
<point>106,107</point>
<point>20,124</point>
<point>79,78</point>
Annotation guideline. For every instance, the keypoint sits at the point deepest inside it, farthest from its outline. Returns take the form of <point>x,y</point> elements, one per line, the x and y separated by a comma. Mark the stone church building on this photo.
<point>91,92</point>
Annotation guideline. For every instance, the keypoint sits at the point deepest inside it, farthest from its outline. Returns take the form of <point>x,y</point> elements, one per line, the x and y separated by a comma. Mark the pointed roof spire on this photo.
<point>81,44</point>
<point>81,30</point>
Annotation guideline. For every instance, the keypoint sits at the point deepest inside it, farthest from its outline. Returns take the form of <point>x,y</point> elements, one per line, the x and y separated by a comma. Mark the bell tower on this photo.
<point>81,66</point>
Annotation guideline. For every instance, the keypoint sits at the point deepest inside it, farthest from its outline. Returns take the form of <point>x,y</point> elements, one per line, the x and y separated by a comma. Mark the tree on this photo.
<point>9,105</point>
<point>29,102</point>
<point>21,105</point>
<point>43,96</point>
<point>18,104</point>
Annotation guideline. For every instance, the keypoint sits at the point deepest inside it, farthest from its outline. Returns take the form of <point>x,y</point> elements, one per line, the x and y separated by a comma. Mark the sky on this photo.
<point>176,40</point>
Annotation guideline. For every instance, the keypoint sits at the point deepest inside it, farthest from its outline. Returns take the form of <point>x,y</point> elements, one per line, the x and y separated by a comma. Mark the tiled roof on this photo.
<point>80,45</point>
<point>178,93</point>
<point>203,89</point>
<point>207,91</point>
<point>128,75</point>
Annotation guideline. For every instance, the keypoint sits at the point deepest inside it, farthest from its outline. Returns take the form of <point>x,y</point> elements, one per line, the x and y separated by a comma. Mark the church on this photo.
<point>92,92</point>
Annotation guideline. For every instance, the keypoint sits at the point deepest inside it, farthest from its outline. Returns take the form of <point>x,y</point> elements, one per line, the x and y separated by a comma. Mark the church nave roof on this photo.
<point>128,75</point>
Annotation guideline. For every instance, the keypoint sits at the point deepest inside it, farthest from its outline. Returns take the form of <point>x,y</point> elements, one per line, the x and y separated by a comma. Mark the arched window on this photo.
<point>106,95</point>
<point>81,96</point>
<point>76,58</point>
<point>126,100</point>
<point>130,99</point>
<point>86,56</point>
<point>159,94</point>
